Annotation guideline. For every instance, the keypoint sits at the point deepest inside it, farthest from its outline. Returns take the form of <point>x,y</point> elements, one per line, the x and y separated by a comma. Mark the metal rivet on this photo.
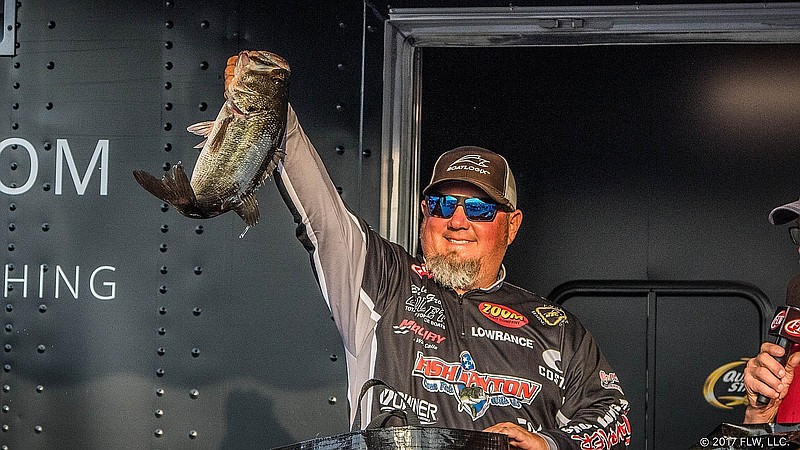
<point>5,428</point>
<point>342,25</point>
<point>334,358</point>
<point>9,328</point>
<point>51,24</point>
<point>340,66</point>
<point>46,187</point>
<point>163,269</point>
<point>198,270</point>
<point>160,392</point>
<point>194,393</point>
<point>47,146</point>
<point>168,3</point>
<point>167,126</point>
<point>13,166</point>
<point>159,413</point>
<point>42,308</point>
<point>169,24</point>
<point>14,126</point>
<point>161,351</point>
<point>192,434</point>
<point>203,65</point>
<point>6,388</point>
<point>164,207</point>
<point>15,106</point>
<point>370,28</point>
<point>51,65</point>
<point>37,429</point>
<point>9,307</point>
<point>198,229</point>
<point>168,65</point>
<point>162,331</point>
<point>162,310</point>
<point>48,105</point>
<point>204,24</point>
<point>202,106</point>
<point>7,348</point>
<point>195,352</point>
<point>159,433</point>
<point>339,107</point>
<point>167,147</point>
<point>164,228</point>
<point>332,400</point>
<point>45,226</point>
<point>16,85</point>
<point>160,372</point>
<point>366,153</point>
<point>197,311</point>
<point>167,85</point>
<point>168,45</point>
<point>340,149</point>
<point>16,65</point>
<point>41,348</point>
<point>39,389</point>
<point>45,267</point>
<point>162,289</point>
<point>7,368</point>
<point>12,227</point>
<point>166,166</point>
<point>162,248</point>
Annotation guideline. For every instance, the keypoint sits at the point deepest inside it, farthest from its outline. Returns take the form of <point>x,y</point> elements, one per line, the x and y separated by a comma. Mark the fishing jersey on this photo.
<point>500,354</point>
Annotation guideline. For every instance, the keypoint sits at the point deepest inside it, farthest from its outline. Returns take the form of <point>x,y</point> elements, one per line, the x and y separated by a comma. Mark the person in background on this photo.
<point>457,343</point>
<point>763,374</point>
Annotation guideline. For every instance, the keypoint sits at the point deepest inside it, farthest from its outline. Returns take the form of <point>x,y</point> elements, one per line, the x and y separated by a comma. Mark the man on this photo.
<point>763,374</point>
<point>463,348</point>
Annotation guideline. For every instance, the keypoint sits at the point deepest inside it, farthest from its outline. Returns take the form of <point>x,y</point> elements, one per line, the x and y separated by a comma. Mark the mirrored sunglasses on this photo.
<point>476,209</point>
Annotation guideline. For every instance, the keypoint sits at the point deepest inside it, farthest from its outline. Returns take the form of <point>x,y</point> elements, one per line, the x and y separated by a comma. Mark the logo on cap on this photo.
<point>469,162</point>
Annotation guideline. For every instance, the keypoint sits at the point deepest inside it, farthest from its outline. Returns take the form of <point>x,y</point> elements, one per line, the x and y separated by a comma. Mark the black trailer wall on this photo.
<point>127,326</point>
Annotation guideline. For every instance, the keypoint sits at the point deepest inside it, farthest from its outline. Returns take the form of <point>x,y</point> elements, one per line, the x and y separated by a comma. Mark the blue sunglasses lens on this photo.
<point>475,209</point>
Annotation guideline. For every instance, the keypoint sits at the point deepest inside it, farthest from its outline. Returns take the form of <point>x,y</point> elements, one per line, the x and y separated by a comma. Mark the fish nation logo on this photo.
<point>502,315</point>
<point>475,391</point>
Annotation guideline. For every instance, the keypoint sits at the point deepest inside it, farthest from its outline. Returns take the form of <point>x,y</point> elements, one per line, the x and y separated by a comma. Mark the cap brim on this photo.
<point>785,213</point>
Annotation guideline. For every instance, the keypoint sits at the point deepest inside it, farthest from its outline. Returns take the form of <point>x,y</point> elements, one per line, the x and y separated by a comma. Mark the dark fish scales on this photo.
<point>241,149</point>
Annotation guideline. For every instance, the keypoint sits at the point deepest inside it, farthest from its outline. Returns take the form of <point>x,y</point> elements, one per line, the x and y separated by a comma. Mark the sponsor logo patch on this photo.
<point>502,315</point>
<point>778,320</point>
<point>552,358</point>
<point>422,336</point>
<point>551,315</point>
<point>497,335</point>
<point>616,429</point>
<point>474,391</point>
<point>474,163</point>
<point>425,306</point>
<point>425,410</point>
<point>793,328</point>
<point>610,381</point>
<point>421,270</point>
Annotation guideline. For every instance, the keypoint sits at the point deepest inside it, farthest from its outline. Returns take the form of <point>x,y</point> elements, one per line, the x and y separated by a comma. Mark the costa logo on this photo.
<point>502,315</point>
<point>778,320</point>
<point>793,327</point>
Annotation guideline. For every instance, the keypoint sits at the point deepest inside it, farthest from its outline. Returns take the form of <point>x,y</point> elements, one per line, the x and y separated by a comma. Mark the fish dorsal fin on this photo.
<point>248,209</point>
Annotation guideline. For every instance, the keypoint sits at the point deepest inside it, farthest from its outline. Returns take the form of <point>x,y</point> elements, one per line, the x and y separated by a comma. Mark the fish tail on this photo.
<point>174,187</point>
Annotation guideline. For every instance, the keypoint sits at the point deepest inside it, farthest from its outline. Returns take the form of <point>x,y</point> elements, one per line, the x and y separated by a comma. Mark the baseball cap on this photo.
<point>785,213</point>
<point>480,167</point>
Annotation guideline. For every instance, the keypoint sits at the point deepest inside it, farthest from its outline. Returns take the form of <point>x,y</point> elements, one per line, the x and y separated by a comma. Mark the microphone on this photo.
<point>785,328</point>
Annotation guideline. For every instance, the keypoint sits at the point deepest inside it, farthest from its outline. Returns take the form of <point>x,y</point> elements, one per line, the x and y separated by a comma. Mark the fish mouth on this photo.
<point>265,60</point>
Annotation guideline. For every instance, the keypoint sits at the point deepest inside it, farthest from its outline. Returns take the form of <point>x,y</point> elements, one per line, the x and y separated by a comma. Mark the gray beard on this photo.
<point>453,273</point>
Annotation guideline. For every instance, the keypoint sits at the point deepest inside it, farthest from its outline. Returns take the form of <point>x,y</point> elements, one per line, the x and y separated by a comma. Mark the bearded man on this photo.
<point>459,345</point>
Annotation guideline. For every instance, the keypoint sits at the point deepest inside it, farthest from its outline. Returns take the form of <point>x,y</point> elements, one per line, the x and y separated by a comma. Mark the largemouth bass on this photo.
<point>241,149</point>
